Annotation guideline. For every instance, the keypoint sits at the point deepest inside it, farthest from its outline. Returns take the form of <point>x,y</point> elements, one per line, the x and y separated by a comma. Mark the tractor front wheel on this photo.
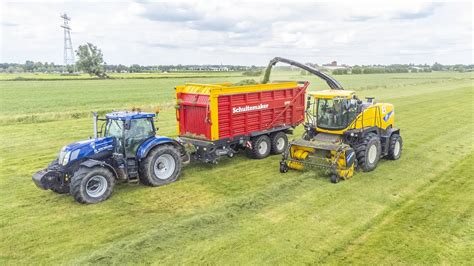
<point>368,152</point>
<point>162,166</point>
<point>61,189</point>
<point>92,185</point>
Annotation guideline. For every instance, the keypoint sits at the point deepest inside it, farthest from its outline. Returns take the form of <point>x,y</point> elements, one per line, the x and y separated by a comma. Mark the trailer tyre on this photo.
<point>161,166</point>
<point>261,147</point>
<point>368,152</point>
<point>92,185</point>
<point>395,149</point>
<point>279,142</point>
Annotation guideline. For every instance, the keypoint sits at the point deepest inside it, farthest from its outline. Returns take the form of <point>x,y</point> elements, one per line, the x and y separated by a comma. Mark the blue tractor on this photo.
<point>126,149</point>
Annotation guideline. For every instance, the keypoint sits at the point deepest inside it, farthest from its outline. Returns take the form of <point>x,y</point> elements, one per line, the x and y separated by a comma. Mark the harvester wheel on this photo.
<point>161,166</point>
<point>92,185</point>
<point>279,142</point>
<point>368,152</point>
<point>335,178</point>
<point>395,149</point>
<point>261,147</point>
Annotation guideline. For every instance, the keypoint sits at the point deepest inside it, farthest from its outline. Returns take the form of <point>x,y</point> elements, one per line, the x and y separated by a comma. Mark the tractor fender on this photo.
<point>91,163</point>
<point>151,143</point>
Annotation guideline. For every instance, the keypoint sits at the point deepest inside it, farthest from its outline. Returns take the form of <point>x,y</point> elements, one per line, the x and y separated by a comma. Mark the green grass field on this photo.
<point>417,210</point>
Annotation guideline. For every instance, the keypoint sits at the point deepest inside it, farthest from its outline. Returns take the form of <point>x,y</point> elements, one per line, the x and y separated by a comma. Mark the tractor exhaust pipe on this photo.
<point>94,118</point>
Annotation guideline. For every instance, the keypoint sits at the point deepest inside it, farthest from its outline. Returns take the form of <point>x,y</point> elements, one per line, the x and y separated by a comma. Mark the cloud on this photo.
<point>170,11</point>
<point>163,45</point>
<point>242,32</point>
<point>9,24</point>
<point>417,14</point>
<point>360,18</point>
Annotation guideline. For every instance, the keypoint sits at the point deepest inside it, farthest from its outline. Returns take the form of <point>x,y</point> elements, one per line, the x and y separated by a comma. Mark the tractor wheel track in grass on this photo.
<point>206,225</point>
<point>155,240</point>
<point>389,214</point>
<point>447,181</point>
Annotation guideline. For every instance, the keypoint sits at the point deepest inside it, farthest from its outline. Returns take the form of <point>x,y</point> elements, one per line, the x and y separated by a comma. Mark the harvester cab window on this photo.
<point>336,113</point>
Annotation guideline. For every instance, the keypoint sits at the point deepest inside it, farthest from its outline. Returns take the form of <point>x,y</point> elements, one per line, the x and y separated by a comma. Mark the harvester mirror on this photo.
<point>308,103</point>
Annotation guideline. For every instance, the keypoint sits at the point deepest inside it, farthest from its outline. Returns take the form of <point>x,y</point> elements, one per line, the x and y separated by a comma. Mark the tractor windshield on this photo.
<point>114,128</point>
<point>336,113</point>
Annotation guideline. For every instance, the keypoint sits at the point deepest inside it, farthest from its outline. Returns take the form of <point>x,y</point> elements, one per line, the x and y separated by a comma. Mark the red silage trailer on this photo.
<point>220,119</point>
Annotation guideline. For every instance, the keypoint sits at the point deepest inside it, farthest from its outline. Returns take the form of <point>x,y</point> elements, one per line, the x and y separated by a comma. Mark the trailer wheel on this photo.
<point>92,185</point>
<point>261,147</point>
<point>335,178</point>
<point>368,152</point>
<point>279,142</point>
<point>161,166</point>
<point>395,149</point>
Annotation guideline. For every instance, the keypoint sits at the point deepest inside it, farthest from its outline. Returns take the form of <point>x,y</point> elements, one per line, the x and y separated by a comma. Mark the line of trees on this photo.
<point>399,68</point>
<point>90,60</point>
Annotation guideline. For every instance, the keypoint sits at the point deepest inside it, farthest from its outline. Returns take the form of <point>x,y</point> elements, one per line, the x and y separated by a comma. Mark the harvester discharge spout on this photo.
<point>332,83</point>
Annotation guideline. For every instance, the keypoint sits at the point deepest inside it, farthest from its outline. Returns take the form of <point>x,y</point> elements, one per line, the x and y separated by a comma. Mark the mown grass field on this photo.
<point>418,210</point>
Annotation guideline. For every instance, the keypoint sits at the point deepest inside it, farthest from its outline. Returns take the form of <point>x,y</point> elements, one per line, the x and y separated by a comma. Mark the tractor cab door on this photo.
<point>115,128</point>
<point>136,132</point>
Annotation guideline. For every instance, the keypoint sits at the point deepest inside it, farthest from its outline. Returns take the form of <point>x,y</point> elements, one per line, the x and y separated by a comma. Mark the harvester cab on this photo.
<point>126,148</point>
<point>342,132</point>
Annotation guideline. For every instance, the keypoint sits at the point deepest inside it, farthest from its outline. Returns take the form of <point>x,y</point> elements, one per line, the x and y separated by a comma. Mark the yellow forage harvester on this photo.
<point>342,132</point>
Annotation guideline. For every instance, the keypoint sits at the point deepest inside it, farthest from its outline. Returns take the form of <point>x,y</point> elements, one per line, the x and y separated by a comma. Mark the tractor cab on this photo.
<point>129,130</point>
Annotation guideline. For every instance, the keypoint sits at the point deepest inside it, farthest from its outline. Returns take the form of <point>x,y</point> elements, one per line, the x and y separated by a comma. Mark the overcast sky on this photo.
<point>242,32</point>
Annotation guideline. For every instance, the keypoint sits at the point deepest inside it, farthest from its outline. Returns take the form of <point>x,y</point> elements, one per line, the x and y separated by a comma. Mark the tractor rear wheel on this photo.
<point>279,142</point>
<point>92,185</point>
<point>395,149</point>
<point>161,166</point>
<point>261,147</point>
<point>368,152</point>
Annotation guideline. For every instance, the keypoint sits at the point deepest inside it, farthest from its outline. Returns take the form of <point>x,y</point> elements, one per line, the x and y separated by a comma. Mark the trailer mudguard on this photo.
<point>150,143</point>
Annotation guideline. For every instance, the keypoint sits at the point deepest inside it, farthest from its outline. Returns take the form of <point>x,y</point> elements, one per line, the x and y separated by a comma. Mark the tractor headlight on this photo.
<point>65,159</point>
